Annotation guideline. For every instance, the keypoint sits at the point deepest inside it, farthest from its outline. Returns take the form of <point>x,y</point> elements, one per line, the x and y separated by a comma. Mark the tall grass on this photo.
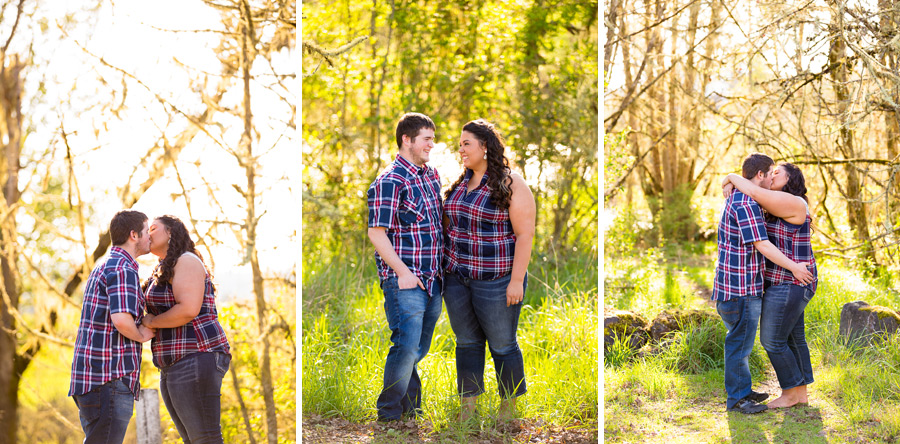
<point>346,339</point>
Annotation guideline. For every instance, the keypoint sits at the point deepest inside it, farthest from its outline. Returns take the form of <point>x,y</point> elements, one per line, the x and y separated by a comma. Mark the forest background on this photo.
<point>530,67</point>
<point>169,107</point>
<point>694,86</point>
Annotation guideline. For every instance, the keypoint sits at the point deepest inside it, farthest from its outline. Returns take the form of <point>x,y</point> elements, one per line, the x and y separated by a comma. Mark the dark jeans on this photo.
<point>782,334</point>
<point>411,314</point>
<point>478,313</point>
<point>105,412</point>
<point>191,389</point>
<point>741,317</point>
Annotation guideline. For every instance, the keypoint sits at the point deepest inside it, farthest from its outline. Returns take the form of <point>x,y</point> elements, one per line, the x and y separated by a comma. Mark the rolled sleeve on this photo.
<point>750,223</point>
<point>123,286</point>
<point>384,201</point>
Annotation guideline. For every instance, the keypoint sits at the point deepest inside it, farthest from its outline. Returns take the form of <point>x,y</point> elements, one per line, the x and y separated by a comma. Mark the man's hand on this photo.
<point>801,273</point>
<point>409,280</point>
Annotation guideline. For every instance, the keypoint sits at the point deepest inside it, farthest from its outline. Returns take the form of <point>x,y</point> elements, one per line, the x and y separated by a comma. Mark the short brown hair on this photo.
<point>123,223</point>
<point>755,163</point>
<point>410,124</point>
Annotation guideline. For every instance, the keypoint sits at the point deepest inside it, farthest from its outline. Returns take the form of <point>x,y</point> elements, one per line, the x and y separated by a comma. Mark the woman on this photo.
<point>782,330</point>
<point>190,348</point>
<point>489,225</point>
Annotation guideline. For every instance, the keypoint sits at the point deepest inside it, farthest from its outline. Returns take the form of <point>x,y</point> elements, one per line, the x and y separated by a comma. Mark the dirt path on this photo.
<point>319,429</point>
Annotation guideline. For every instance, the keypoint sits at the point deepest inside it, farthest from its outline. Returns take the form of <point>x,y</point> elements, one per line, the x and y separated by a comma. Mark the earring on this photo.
<point>485,154</point>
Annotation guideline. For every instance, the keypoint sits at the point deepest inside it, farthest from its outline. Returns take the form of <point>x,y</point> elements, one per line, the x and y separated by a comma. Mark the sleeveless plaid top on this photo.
<point>795,242</point>
<point>480,242</point>
<point>202,334</point>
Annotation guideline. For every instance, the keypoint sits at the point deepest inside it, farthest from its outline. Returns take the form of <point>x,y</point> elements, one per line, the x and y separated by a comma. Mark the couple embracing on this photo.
<point>765,276</point>
<point>470,249</point>
<point>175,308</point>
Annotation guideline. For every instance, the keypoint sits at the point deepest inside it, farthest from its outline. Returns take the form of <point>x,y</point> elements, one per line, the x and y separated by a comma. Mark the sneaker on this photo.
<point>757,396</point>
<point>747,406</point>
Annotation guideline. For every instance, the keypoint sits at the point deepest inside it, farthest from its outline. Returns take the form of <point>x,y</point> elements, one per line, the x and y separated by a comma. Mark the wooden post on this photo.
<point>149,430</point>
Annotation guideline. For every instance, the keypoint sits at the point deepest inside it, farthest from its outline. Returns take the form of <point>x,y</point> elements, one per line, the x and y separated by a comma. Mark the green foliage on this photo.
<point>536,79</point>
<point>618,353</point>
<point>700,349</point>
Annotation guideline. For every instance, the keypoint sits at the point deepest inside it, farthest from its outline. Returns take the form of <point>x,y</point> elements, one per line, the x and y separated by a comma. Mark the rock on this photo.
<point>668,321</point>
<point>624,324</point>
<point>861,320</point>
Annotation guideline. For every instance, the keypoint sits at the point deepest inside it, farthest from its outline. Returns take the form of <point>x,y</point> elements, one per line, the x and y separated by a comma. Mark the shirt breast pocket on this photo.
<point>411,212</point>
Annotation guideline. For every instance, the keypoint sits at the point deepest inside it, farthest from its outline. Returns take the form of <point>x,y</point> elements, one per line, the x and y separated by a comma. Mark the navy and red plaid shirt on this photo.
<point>200,335</point>
<point>406,200</point>
<point>480,240</point>
<point>102,354</point>
<point>739,270</point>
<point>795,242</point>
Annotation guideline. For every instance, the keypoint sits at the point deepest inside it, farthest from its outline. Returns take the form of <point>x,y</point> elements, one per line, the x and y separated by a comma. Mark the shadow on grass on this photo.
<point>746,428</point>
<point>801,424</point>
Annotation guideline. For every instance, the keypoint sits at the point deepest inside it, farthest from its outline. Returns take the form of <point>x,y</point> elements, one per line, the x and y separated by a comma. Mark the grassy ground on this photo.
<point>657,398</point>
<point>346,339</point>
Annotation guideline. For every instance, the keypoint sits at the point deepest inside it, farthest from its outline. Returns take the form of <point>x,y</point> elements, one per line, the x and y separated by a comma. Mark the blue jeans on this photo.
<point>191,389</point>
<point>105,412</point>
<point>782,334</point>
<point>411,314</point>
<point>741,317</point>
<point>478,313</point>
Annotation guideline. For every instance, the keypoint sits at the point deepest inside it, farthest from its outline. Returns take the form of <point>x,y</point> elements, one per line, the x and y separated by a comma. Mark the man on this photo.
<point>738,285</point>
<point>405,228</point>
<point>106,368</point>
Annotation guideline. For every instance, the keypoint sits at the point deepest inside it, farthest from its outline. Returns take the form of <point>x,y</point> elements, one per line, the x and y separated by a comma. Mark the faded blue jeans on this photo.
<point>741,318</point>
<point>411,314</point>
<point>105,412</point>
<point>192,391</point>
<point>478,314</point>
<point>782,333</point>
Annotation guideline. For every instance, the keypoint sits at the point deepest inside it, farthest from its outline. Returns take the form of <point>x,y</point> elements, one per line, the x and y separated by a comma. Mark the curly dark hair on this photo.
<point>179,243</point>
<point>498,171</point>
<point>796,184</point>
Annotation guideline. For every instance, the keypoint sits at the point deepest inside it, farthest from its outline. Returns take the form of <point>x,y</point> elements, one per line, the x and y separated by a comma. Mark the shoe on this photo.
<point>746,406</point>
<point>757,396</point>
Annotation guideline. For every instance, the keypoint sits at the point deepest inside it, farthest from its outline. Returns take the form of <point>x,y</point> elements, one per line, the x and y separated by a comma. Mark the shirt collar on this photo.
<point>469,173</point>
<point>410,167</point>
<point>121,251</point>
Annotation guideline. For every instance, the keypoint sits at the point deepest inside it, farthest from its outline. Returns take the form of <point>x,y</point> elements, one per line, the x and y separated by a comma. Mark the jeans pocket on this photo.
<point>90,404</point>
<point>807,294</point>
<point>223,361</point>
<point>730,312</point>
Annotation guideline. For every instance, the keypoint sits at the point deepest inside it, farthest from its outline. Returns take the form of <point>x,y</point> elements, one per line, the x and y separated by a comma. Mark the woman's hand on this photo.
<point>146,320</point>
<point>515,291</point>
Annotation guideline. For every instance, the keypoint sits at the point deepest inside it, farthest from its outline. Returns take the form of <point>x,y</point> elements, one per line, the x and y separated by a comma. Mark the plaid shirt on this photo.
<point>202,334</point>
<point>102,354</point>
<point>480,240</point>
<point>739,270</point>
<point>795,242</point>
<point>406,200</point>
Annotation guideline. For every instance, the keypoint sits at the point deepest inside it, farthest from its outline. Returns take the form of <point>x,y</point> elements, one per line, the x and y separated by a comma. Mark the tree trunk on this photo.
<point>856,208</point>
<point>890,25</point>
<point>248,42</point>
<point>11,363</point>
